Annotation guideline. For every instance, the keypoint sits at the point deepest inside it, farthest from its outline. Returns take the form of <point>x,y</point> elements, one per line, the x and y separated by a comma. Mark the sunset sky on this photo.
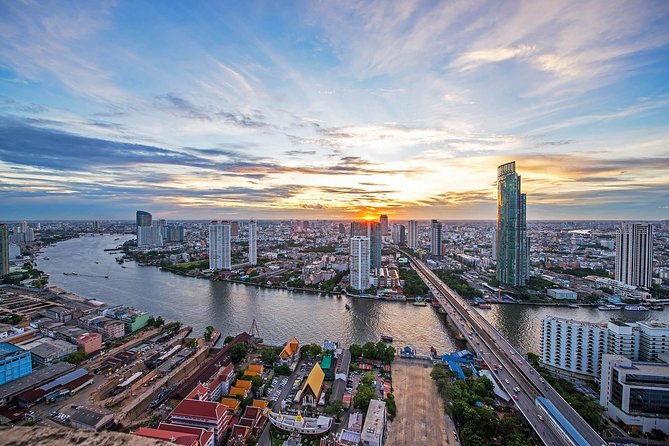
<point>323,109</point>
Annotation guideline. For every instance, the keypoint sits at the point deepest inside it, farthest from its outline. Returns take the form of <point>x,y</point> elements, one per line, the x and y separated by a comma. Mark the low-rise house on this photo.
<point>89,419</point>
<point>290,351</point>
<point>90,342</point>
<point>202,414</point>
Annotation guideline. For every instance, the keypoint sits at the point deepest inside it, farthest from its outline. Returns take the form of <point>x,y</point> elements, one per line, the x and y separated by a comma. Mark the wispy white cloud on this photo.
<point>473,59</point>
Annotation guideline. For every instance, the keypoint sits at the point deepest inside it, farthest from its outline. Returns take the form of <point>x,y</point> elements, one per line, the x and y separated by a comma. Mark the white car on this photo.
<point>507,381</point>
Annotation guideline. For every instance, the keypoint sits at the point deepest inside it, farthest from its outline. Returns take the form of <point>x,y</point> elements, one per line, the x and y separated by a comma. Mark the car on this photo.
<point>507,381</point>
<point>540,417</point>
<point>515,397</point>
<point>541,380</point>
<point>531,371</point>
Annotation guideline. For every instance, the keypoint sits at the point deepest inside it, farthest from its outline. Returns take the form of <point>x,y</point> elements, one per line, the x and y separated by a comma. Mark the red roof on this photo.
<point>198,392</point>
<point>204,435</point>
<point>200,409</point>
<point>87,337</point>
<point>173,437</point>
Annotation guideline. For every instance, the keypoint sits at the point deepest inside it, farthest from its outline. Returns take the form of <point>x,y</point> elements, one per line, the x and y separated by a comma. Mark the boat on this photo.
<point>657,307</point>
<point>97,263</point>
<point>115,239</point>
<point>71,274</point>
<point>106,277</point>
<point>348,307</point>
<point>46,258</point>
<point>385,338</point>
<point>420,303</point>
<point>635,308</point>
<point>608,307</point>
<point>572,306</point>
<point>484,306</point>
<point>123,267</point>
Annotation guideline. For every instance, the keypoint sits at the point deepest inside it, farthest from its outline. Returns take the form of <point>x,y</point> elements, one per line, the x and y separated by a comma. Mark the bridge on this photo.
<point>513,372</point>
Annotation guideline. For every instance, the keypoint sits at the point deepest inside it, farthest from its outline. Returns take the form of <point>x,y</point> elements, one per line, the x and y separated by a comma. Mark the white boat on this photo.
<point>635,308</point>
<point>608,307</point>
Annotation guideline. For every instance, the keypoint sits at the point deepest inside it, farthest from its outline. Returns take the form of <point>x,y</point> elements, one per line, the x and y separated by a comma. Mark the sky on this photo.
<point>326,109</point>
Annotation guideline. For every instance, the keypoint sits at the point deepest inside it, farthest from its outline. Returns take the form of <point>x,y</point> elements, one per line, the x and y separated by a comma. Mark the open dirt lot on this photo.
<point>420,415</point>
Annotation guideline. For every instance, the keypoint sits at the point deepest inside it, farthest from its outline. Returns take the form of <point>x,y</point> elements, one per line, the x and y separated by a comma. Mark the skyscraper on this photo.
<point>359,263</point>
<point>513,244</point>
<point>219,245</point>
<point>412,242</point>
<point>359,228</point>
<point>383,219</point>
<point>143,218</point>
<point>398,234</point>
<point>634,254</point>
<point>4,250</point>
<point>376,244</point>
<point>435,239</point>
<point>253,242</point>
<point>148,234</point>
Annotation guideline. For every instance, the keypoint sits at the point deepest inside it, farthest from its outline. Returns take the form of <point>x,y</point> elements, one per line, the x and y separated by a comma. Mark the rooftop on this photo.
<point>7,349</point>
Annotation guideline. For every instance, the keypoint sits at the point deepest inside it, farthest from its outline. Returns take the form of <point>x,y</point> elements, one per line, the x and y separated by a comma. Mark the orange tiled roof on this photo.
<point>291,348</point>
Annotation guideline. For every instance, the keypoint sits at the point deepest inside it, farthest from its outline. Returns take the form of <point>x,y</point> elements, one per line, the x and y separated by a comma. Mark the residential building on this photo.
<point>253,242</point>
<point>383,220</point>
<point>143,218</point>
<point>90,342</point>
<point>4,250</point>
<point>174,233</point>
<point>398,234</point>
<point>359,228</point>
<point>148,234</point>
<point>435,239</point>
<point>360,263</point>
<point>234,229</point>
<point>374,429</point>
<point>634,254</point>
<point>383,278</point>
<point>14,362</point>
<point>619,288</point>
<point>219,245</point>
<point>513,244</point>
<point>412,241</point>
<point>375,244</point>
<point>635,393</point>
<point>574,350</point>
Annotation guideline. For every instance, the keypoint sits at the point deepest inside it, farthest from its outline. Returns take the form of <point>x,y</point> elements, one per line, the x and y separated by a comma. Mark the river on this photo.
<point>231,308</point>
<point>281,314</point>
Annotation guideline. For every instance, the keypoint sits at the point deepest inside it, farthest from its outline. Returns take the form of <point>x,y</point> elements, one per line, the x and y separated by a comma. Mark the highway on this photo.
<point>514,372</point>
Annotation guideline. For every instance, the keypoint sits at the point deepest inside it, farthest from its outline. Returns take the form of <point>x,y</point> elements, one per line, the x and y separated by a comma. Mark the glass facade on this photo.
<point>14,363</point>
<point>511,237</point>
<point>649,401</point>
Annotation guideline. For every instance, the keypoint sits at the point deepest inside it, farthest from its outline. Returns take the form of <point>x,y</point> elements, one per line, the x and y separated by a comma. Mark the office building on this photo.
<point>359,263</point>
<point>14,362</point>
<point>383,219</point>
<point>219,245</point>
<point>253,242</point>
<point>634,254</point>
<point>574,350</point>
<point>635,393</point>
<point>174,233</point>
<point>342,228</point>
<point>398,234</point>
<point>512,241</point>
<point>435,239</point>
<point>376,244</point>
<point>412,241</point>
<point>4,250</point>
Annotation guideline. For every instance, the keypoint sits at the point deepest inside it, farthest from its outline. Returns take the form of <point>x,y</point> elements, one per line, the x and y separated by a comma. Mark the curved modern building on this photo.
<point>511,240</point>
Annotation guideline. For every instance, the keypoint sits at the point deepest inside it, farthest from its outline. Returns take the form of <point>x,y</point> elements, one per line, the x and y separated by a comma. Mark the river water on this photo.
<point>231,308</point>
<point>281,314</point>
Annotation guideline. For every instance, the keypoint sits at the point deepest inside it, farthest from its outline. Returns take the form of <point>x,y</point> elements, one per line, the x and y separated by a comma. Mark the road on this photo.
<point>514,372</point>
<point>420,410</point>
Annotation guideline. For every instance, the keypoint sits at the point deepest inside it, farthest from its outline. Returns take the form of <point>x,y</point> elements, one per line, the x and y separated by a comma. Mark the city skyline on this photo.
<point>322,111</point>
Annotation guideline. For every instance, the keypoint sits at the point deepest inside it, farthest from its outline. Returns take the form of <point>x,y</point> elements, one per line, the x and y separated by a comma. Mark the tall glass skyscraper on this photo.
<point>376,244</point>
<point>513,245</point>
<point>4,250</point>
<point>435,239</point>
<point>634,254</point>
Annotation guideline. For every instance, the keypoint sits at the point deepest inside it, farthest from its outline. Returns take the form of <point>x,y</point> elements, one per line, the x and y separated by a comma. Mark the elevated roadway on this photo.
<point>515,375</point>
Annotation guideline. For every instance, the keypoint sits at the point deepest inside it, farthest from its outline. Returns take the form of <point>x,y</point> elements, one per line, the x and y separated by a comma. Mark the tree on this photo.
<point>238,352</point>
<point>356,351</point>
<point>283,369</point>
<point>367,379</point>
<point>362,397</point>
<point>151,321</point>
<point>160,321</point>
<point>208,332</point>
<point>336,408</point>
<point>228,339</point>
<point>257,381</point>
<point>269,355</point>
<point>388,355</point>
<point>369,350</point>
<point>76,357</point>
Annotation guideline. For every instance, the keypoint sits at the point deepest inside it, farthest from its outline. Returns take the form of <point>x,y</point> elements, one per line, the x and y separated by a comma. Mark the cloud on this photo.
<point>474,59</point>
<point>183,108</point>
